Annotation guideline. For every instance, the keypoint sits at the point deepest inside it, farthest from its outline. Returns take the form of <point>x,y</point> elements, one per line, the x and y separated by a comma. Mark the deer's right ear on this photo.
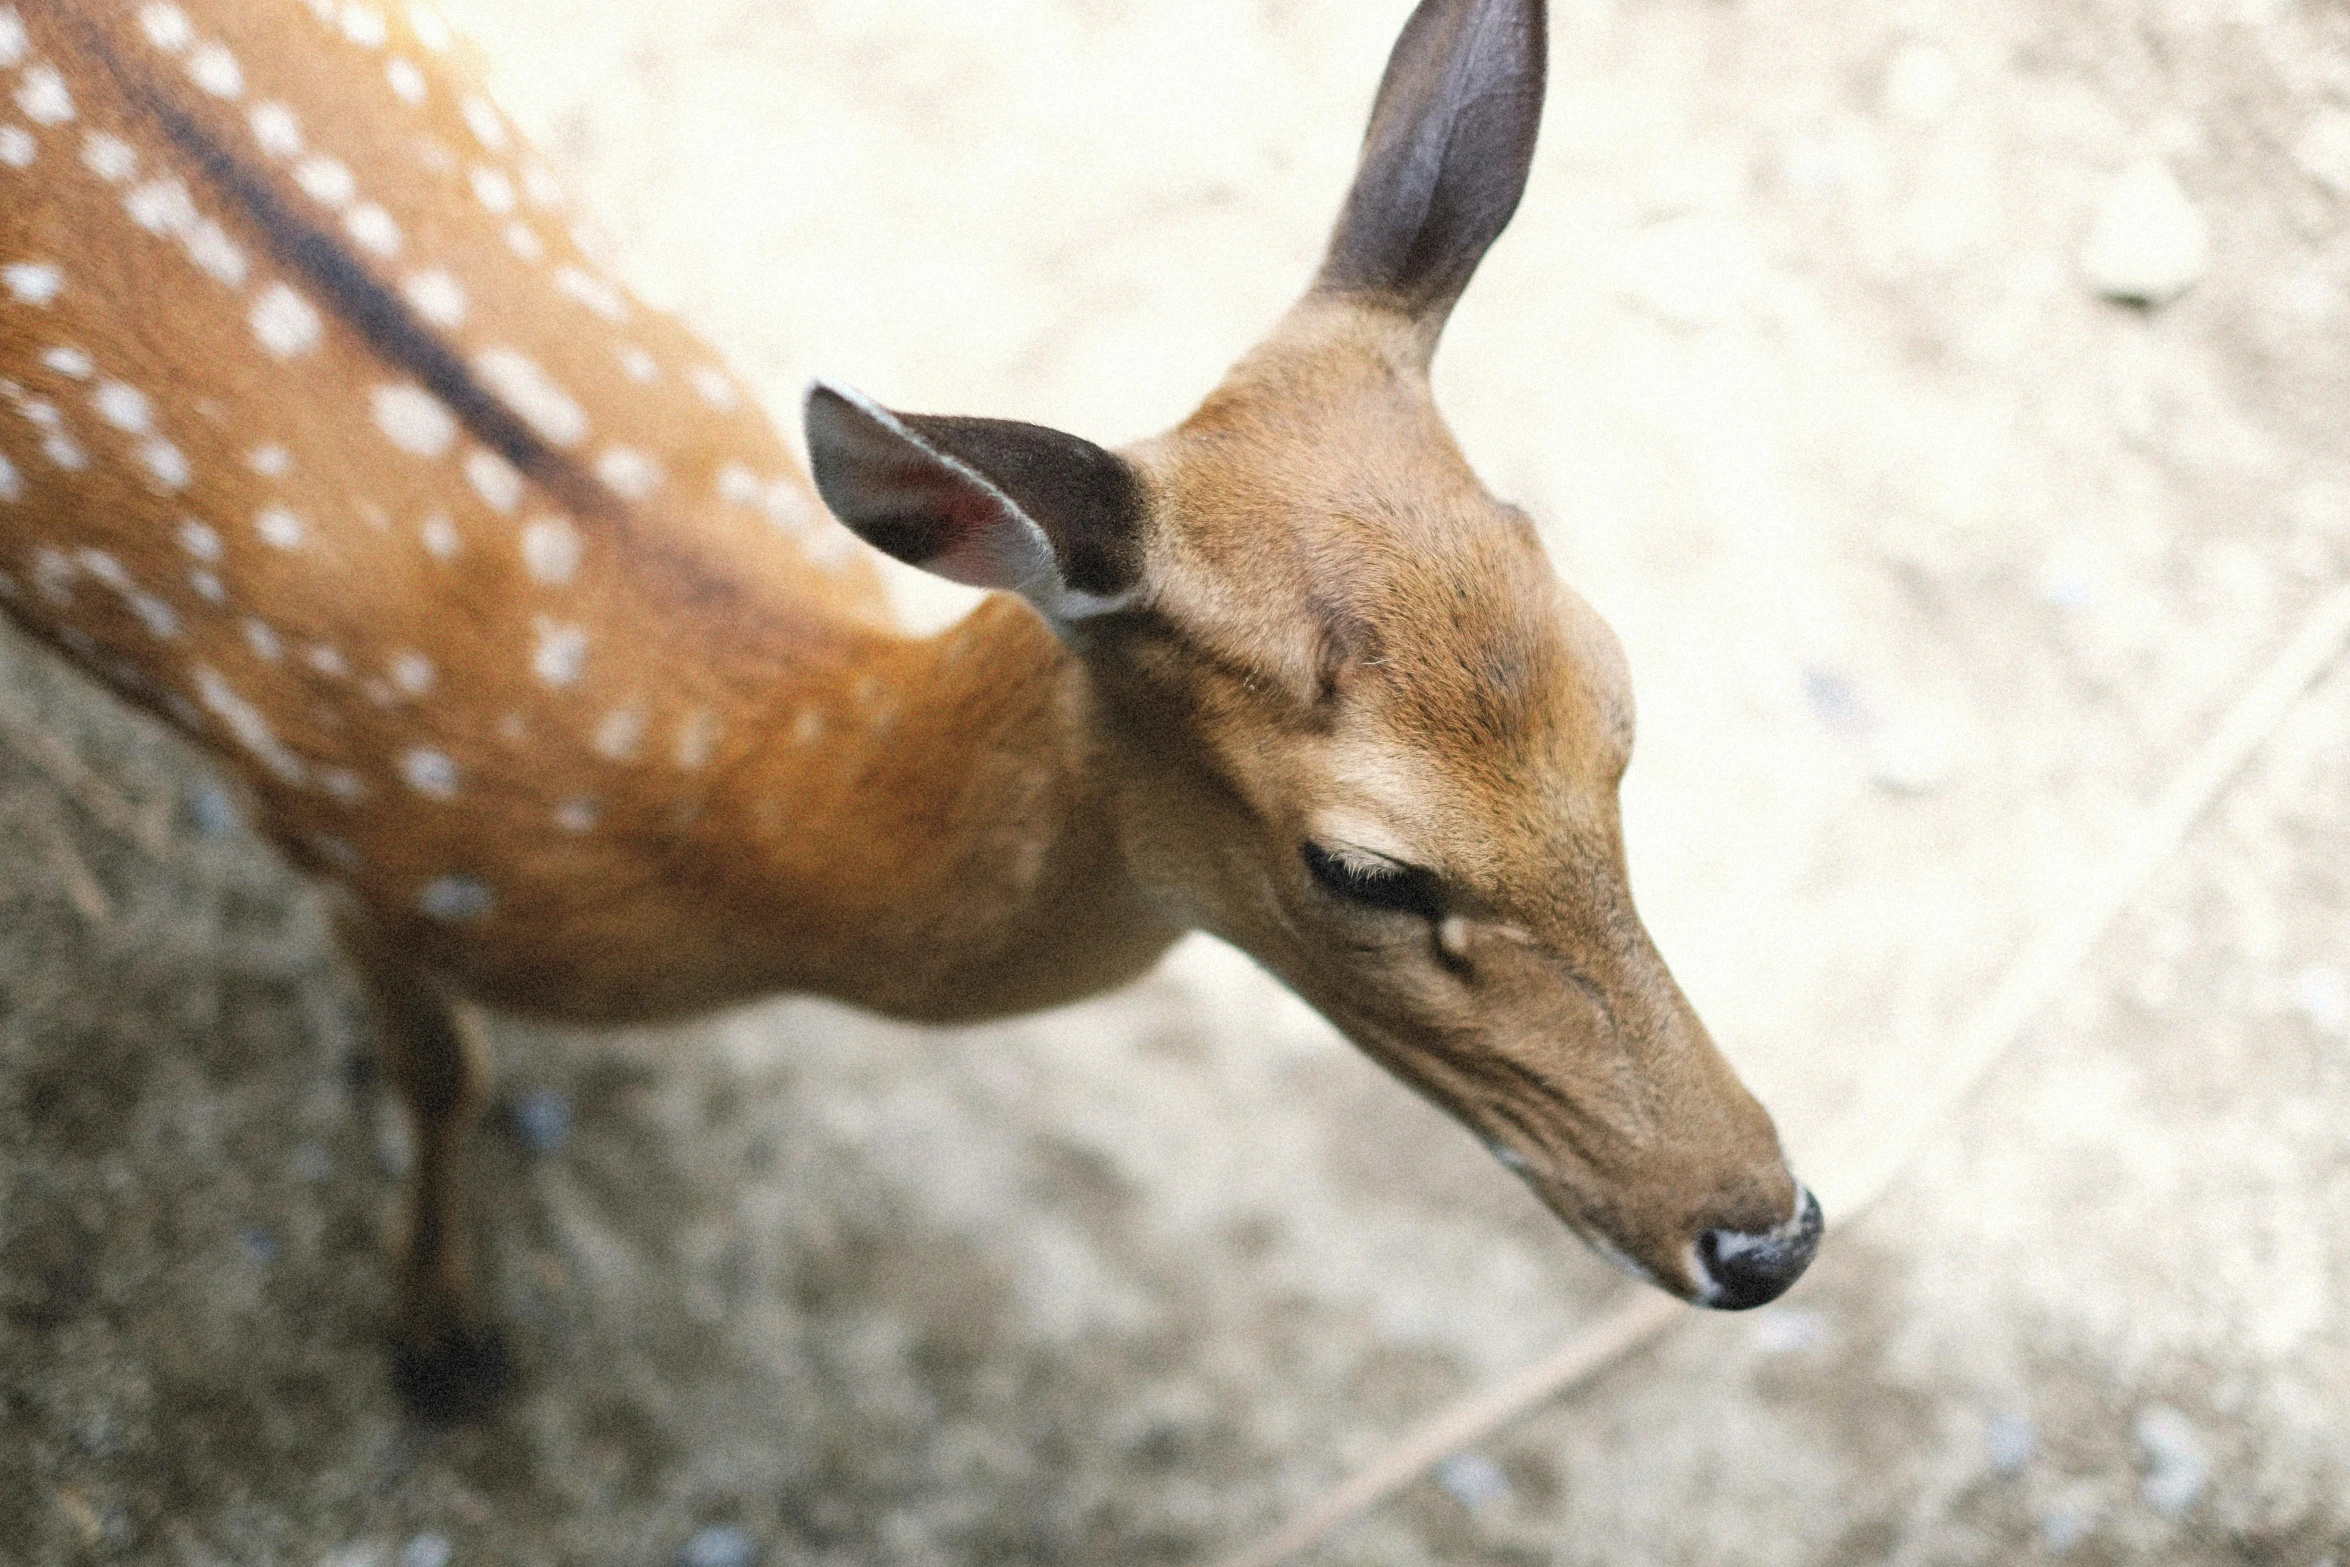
<point>1445,161</point>
<point>987,502</point>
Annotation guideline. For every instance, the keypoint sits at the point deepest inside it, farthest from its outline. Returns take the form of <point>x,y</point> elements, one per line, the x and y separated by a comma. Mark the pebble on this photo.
<point>542,1119</point>
<point>2178,1464</point>
<point>427,1550</point>
<point>213,812</point>
<point>1921,85</point>
<point>1473,1480</point>
<point>1837,701</point>
<point>720,1545</point>
<point>2010,1441</point>
<point>2321,993</point>
<point>1788,1330</point>
<point>2148,243</point>
<point>2323,150</point>
<point>2068,1521</point>
<point>1915,753</point>
<point>1697,270</point>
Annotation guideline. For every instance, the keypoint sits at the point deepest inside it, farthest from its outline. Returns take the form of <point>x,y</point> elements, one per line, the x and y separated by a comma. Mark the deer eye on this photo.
<point>1373,882</point>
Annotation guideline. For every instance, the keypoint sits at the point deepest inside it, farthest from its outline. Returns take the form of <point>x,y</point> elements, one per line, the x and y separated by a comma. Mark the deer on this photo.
<point>529,642</point>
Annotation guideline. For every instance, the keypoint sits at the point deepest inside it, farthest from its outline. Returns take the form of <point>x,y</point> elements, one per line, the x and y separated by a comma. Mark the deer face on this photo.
<point>1354,723</point>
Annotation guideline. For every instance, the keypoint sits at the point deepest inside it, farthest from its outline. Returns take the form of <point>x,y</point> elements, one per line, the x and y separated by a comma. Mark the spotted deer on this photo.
<point>322,438</point>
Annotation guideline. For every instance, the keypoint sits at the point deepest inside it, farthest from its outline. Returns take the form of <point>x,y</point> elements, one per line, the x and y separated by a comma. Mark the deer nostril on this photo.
<point>1740,1269</point>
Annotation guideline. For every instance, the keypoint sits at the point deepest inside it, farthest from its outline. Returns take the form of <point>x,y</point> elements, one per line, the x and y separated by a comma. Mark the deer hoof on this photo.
<point>455,1378</point>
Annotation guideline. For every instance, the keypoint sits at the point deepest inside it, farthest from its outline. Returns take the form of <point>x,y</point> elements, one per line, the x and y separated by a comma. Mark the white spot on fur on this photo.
<point>429,773</point>
<point>124,407</point>
<point>327,661</point>
<point>17,147</point>
<point>407,81</point>
<point>577,816</point>
<point>271,461</point>
<point>276,129</point>
<point>483,121</point>
<point>561,655</point>
<point>166,27</point>
<point>437,297</point>
<point>533,394</point>
<point>430,30</point>
<point>162,207</point>
<point>109,157</point>
<point>414,420</point>
<point>246,724</point>
<point>551,549</point>
<point>33,282</point>
<point>70,362</point>
<point>524,241</point>
<point>105,568</point>
<point>539,183</point>
<point>160,619</point>
<point>344,784</point>
<point>327,180</point>
<point>285,322</point>
<point>697,740</point>
<point>715,386</point>
<point>13,42</point>
<point>457,898</point>
<point>618,735</point>
<point>364,27</point>
<point>440,537</point>
<point>213,251</point>
<point>199,540</point>
<point>208,587</point>
<point>493,479</point>
<point>215,70</point>
<point>166,463</point>
<point>280,528</point>
<point>629,473</point>
<point>373,230</point>
<point>413,673</point>
<point>61,450</point>
<point>11,482</point>
<point>263,639</point>
<point>739,486</point>
<point>41,94</point>
<point>639,364</point>
<point>586,288</point>
<point>492,189</point>
<point>53,575</point>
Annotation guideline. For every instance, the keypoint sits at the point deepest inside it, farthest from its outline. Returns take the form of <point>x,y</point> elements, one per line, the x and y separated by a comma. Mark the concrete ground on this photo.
<point>1932,565</point>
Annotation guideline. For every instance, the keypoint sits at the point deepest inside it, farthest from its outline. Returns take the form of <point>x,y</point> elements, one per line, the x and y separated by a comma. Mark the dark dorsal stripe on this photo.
<point>380,317</point>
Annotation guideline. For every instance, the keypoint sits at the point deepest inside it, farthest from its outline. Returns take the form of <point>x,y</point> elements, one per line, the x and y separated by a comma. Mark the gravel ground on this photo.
<point>1932,563</point>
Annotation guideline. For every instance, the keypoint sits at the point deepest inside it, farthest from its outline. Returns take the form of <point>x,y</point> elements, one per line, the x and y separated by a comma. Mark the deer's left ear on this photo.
<point>988,502</point>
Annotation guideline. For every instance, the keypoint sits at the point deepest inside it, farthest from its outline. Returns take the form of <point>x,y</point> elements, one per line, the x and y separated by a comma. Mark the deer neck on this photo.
<point>935,832</point>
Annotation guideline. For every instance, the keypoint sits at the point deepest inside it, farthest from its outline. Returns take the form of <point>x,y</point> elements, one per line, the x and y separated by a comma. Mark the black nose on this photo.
<point>1746,1270</point>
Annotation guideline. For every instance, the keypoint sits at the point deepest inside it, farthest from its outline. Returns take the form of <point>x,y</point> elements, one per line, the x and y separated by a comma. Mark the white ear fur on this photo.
<point>930,509</point>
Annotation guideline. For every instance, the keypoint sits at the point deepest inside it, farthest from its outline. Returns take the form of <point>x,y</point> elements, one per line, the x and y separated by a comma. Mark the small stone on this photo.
<point>1473,1480</point>
<point>2010,1441</point>
<point>1837,701</point>
<point>1921,85</point>
<point>212,811</point>
<point>2178,1464</point>
<point>2148,243</point>
<point>542,1119</point>
<point>2321,993</point>
<point>720,1545</point>
<point>1788,1330</point>
<point>2067,1522</point>
<point>427,1550</point>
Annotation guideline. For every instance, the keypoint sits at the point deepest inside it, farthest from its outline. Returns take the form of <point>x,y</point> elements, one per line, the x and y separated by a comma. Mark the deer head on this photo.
<point>1351,720</point>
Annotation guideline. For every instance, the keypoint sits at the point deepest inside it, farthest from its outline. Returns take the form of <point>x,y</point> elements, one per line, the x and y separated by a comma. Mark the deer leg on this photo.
<point>448,1362</point>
